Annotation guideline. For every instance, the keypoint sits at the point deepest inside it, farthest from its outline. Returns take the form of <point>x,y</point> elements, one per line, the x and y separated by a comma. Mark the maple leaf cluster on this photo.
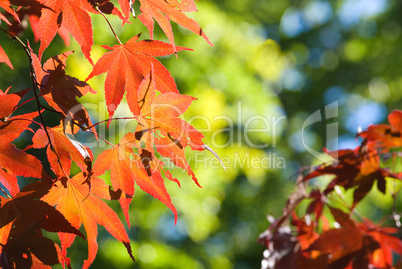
<point>60,201</point>
<point>352,241</point>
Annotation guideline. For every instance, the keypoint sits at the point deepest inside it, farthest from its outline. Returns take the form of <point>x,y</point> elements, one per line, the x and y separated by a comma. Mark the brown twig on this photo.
<point>35,87</point>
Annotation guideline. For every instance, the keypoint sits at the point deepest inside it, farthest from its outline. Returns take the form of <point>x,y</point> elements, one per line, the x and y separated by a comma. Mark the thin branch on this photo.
<point>33,77</point>
<point>20,105</point>
<point>88,129</point>
<point>34,88</point>
<point>42,106</point>
<point>10,120</point>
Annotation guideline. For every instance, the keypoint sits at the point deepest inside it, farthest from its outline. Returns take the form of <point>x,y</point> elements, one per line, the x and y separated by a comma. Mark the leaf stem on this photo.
<point>105,140</point>
<point>110,26</point>
<point>20,105</point>
<point>107,120</point>
<point>149,86</point>
<point>216,155</point>
<point>5,193</point>
<point>41,125</point>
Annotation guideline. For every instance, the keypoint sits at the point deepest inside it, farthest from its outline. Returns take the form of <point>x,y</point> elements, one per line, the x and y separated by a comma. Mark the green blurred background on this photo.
<point>273,64</point>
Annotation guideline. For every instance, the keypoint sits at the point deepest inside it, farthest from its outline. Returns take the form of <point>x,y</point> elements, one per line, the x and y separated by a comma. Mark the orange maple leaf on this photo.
<point>127,167</point>
<point>165,10</point>
<point>74,16</point>
<point>4,58</point>
<point>168,133</point>
<point>64,151</point>
<point>22,218</point>
<point>159,127</point>
<point>80,206</point>
<point>13,161</point>
<point>127,66</point>
<point>5,4</point>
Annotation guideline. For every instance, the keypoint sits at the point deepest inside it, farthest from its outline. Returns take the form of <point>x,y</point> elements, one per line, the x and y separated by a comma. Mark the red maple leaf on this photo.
<point>127,66</point>
<point>388,243</point>
<point>385,136</point>
<point>344,247</point>
<point>306,234</point>
<point>354,168</point>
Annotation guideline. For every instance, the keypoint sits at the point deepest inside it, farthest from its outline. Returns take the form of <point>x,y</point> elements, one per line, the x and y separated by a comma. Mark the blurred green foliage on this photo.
<point>273,64</point>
